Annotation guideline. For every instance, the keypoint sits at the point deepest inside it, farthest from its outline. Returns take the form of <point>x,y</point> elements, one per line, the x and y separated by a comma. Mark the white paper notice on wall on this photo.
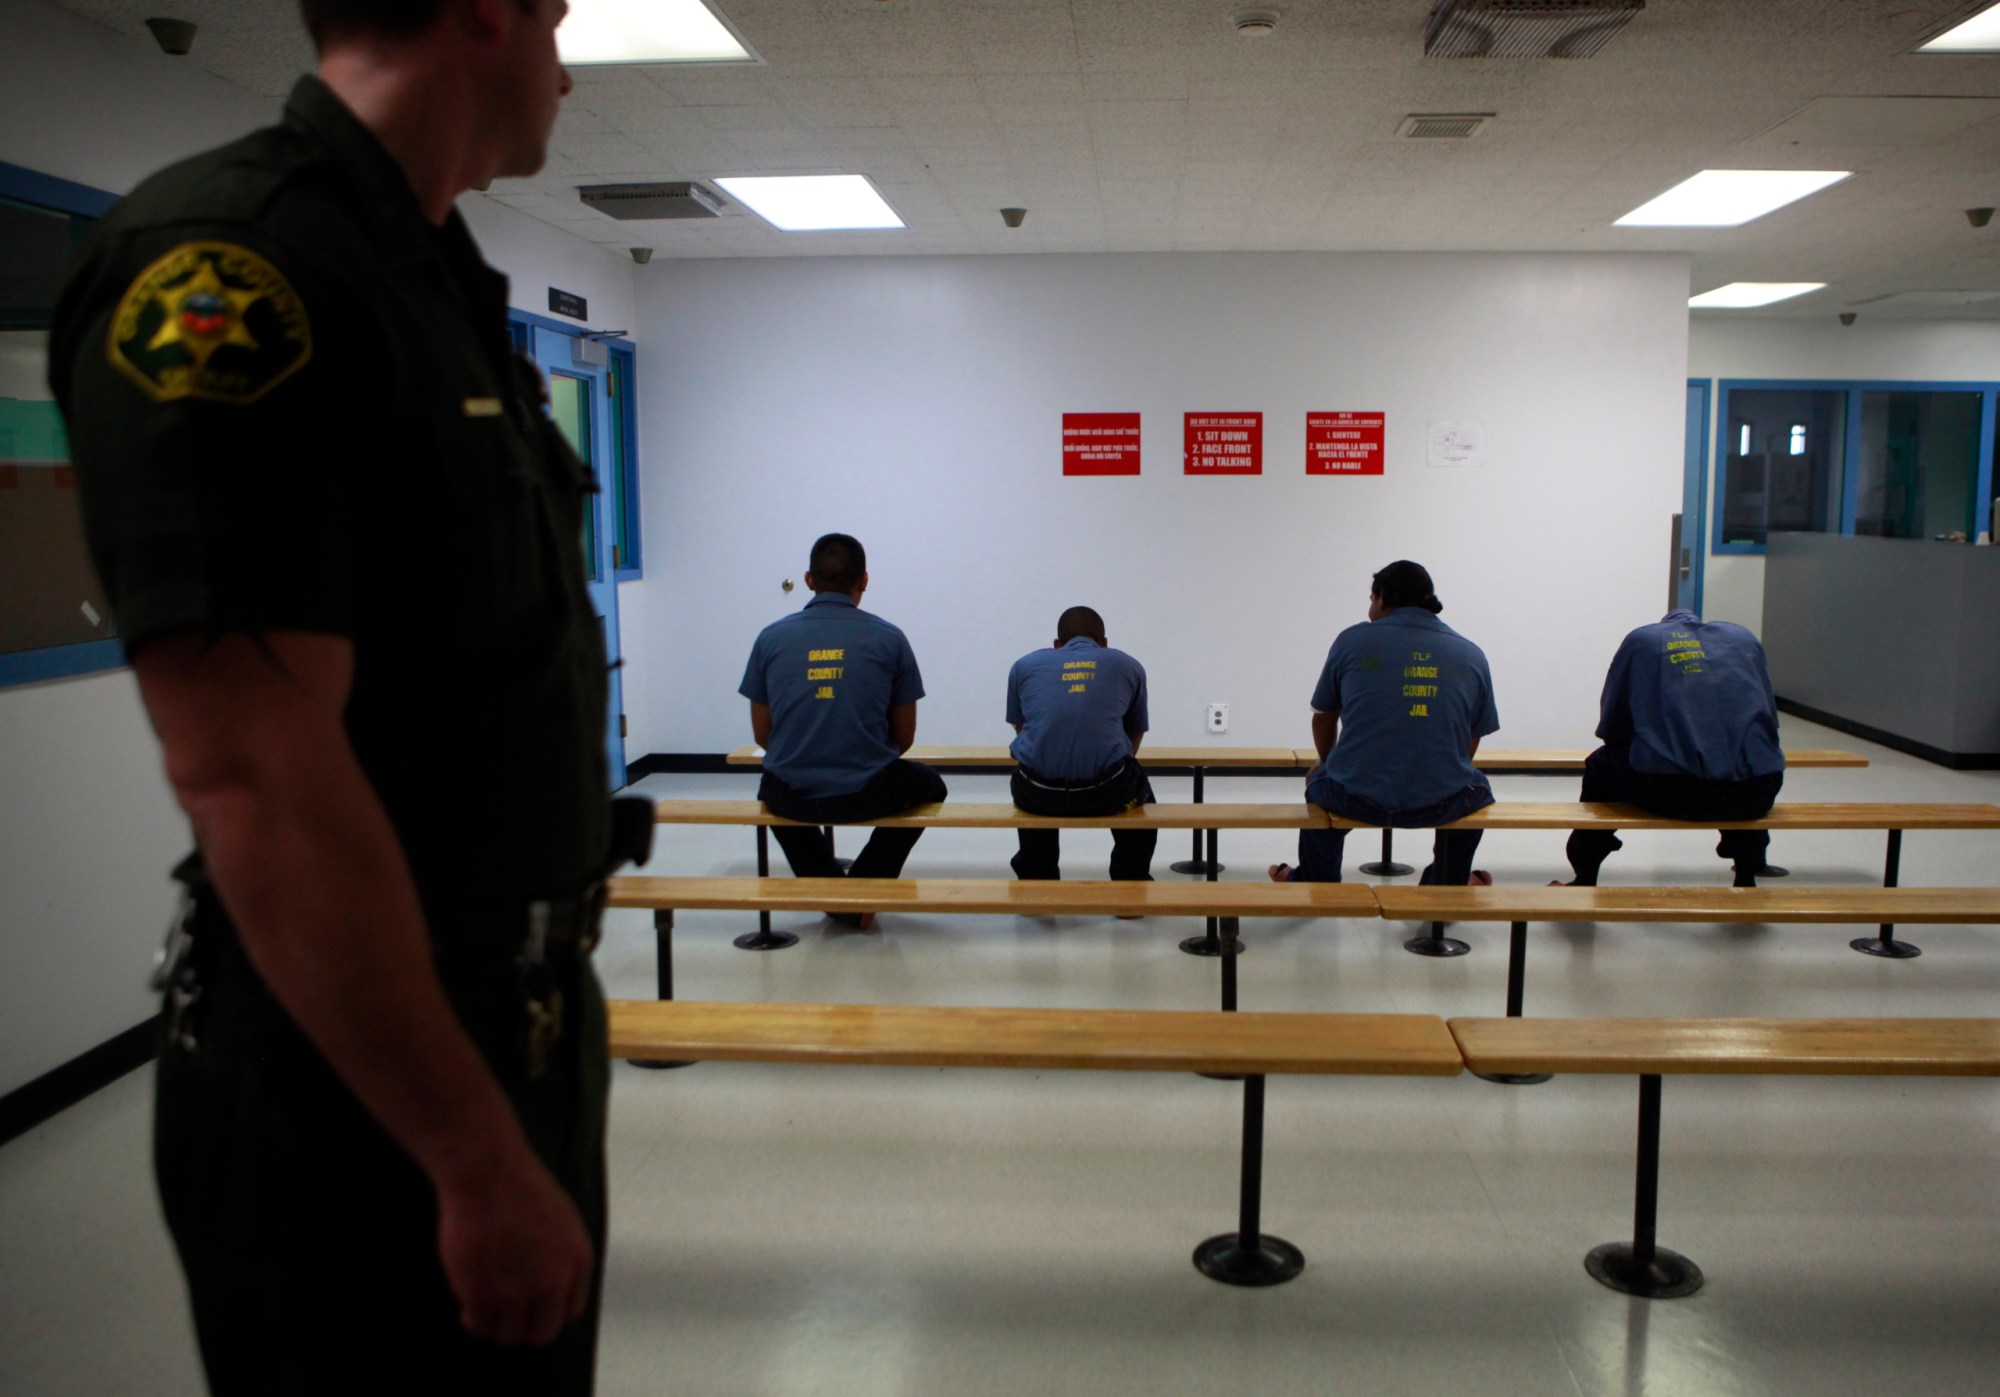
<point>1457,443</point>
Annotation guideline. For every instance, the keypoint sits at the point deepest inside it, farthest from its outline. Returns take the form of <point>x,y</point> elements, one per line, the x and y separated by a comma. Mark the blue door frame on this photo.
<point>551,346</point>
<point>1694,495</point>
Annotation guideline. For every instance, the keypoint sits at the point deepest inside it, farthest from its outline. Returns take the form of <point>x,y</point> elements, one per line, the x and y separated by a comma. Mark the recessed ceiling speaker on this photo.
<point>174,36</point>
<point>679,199</point>
<point>1524,28</point>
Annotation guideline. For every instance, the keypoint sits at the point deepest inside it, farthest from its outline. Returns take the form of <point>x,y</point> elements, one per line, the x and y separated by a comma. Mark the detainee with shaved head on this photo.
<point>1079,714</point>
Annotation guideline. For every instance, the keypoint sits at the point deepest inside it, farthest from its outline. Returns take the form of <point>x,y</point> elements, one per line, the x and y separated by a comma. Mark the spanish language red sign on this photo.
<point>1225,443</point>
<point>1344,443</point>
<point>1100,443</point>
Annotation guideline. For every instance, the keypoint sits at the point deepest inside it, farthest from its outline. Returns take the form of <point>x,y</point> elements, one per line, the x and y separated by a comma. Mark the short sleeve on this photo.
<point>216,408</point>
<point>1326,694</point>
<point>1614,706</point>
<point>1488,720</point>
<point>753,686</point>
<point>908,683</point>
<point>1015,715</point>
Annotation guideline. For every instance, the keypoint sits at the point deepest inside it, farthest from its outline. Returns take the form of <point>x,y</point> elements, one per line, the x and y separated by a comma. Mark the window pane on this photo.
<point>1918,465</point>
<point>623,482</point>
<point>49,595</point>
<point>569,404</point>
<point>1783,471</point>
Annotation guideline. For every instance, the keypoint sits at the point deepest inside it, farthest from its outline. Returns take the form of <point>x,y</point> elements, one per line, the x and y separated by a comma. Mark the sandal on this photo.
<point>1280,872</point>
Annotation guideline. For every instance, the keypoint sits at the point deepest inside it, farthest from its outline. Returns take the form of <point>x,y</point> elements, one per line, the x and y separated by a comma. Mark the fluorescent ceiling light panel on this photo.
<point>1727,198</point>
<point>1741,295</point>
<point>807,203</point>
<point>645,31</point>
<point>1980,34</point>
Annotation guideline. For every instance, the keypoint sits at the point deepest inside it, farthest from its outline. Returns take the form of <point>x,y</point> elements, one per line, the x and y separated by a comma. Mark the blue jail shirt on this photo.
<point>1075,706</point>
<point>830,672</point>
<point>1693,698</point>
<point>1412,694</point>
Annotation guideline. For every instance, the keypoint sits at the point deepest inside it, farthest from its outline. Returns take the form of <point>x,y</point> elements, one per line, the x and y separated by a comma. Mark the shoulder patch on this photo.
<point>210,320</point>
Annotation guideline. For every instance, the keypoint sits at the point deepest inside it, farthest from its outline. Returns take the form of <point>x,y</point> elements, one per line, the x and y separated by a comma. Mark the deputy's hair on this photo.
<point>1406,584</point>
<point>1079,620</point>
<point>328,18</point>
<point>838,562</point>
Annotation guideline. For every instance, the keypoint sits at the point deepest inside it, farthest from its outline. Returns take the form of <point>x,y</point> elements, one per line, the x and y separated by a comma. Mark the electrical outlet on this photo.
<point>1218,717</point>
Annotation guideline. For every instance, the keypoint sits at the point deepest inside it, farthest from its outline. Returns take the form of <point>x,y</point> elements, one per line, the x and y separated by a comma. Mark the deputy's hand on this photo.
<point>515,1252</point>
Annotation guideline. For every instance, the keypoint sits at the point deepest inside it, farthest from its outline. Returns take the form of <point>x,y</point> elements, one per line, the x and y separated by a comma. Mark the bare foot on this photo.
<point>1480,879</point>
<point>1280,872</point>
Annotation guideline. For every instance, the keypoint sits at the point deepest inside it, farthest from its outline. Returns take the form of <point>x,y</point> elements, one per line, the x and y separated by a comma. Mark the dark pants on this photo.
<point>896,788</point>
<point>1119,789</point>
<point>310,1239</point>
<point>1451,850</point>
<point>1608,776</point>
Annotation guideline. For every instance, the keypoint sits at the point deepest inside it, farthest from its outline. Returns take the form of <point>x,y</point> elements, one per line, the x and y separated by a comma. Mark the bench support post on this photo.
<point>1436,944</point>
<point>765,939</point>
<point>1194,863</point>
<point>1643,1267</point>
<point>1886,944</point>
<point>1246,1256</point>
<point>1386,866</point>
<point>1517,976</point>
<point>1209,943</point>
<point>663,952</point>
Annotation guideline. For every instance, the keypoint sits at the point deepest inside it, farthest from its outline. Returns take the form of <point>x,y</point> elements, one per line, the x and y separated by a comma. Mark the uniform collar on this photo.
<point>1077,640</point>
<point>831,599</point>
<point>1413,616</point>
<point>1680,617</point>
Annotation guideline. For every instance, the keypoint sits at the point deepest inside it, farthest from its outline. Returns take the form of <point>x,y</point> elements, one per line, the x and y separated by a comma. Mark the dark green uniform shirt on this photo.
<point>292,405</point>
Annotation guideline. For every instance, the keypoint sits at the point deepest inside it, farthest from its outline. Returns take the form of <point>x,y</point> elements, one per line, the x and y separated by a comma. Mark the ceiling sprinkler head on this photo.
<point>1979,218</point>
<point>1254,24</point>
<point>1848,317</point>
<point>1013,218</point>
<point>642,255</point>
<point>174,36</point>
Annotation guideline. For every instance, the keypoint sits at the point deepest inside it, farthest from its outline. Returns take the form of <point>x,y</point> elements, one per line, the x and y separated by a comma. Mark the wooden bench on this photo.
<point>1117,1040</point>
<point>1221,903</point>
<point>1201,760</point>
<point>1202,818</point>
<point>1653,1048</point>
<point>1519,906</point>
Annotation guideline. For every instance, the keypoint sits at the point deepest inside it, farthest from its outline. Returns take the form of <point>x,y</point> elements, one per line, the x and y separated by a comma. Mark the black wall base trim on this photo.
<point>1957,761</point>
<point>24,1108</point>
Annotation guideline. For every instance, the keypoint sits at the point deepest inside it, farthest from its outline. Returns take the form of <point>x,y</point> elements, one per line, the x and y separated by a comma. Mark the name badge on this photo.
<point>484,407</point>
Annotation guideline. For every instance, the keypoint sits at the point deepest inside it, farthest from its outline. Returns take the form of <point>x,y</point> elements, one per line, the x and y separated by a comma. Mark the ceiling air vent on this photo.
<point>678,200</point>
<point>1443,126</point>
<point>1524,28</point>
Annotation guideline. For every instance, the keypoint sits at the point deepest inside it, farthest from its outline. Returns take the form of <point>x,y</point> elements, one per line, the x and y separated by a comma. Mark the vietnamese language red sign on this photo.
<point>1225,443</point>
<point>1100,443</point>
<point>1344,443</point>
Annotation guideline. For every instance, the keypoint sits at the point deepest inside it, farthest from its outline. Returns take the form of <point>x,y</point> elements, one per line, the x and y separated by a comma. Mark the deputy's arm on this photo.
<point>903,726</point>
<point>1326,731</point>
<point>760,723</point>
<point>314,879</point>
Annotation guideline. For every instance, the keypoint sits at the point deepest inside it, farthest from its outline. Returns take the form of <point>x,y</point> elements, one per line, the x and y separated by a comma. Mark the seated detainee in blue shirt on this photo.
<point>1397,716</point>
<point>1690,731</point>
<point>833,697</point>
<point>1079,715</point>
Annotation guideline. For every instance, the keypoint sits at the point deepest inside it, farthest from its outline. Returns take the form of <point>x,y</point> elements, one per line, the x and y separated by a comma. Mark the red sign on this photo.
<point>1100,443</point>
<point>1224,443</point>
<point>1344,443</point>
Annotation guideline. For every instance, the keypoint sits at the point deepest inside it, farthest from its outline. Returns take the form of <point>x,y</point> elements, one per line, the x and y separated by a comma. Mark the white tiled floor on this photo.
<point>791,1231</point>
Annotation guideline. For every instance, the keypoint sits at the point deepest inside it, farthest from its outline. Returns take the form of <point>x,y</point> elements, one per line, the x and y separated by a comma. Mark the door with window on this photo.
<point>579,400</point>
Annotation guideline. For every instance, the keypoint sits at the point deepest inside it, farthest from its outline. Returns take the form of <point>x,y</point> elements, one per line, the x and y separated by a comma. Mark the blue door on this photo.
<point>1694,500</point>
<point>580,402</point>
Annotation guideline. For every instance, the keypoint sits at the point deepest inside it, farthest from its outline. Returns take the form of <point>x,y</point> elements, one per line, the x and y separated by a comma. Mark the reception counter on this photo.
<point>1897,640</point>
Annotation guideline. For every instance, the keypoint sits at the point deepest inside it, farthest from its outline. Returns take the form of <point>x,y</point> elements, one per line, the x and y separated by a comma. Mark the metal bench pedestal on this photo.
<point>1886,944</point>
<point>663,971</point>
<point>1517,976</point>
<point>764,939</point>
<point>1642,1267</point>
<point>1246,1256</point>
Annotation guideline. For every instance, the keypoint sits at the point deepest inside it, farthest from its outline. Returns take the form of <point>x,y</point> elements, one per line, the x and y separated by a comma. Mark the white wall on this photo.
<point>87,825</point>
<point>1891,350</point>
<point>917,402</point>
